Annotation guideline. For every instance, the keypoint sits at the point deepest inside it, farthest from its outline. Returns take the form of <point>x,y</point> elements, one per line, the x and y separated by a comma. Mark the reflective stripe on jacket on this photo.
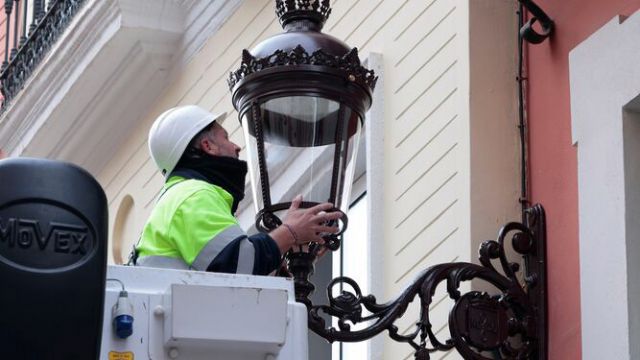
<point>191,227</point>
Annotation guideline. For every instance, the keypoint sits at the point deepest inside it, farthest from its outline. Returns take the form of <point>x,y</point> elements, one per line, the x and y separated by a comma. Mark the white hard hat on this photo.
<point>172,132</point>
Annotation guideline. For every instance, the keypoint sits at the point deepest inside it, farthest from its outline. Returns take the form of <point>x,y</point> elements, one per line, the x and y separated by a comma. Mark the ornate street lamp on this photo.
<point>302,96</point>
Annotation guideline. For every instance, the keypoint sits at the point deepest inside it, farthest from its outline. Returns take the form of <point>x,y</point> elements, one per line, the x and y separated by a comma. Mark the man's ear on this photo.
<point>208,146</point>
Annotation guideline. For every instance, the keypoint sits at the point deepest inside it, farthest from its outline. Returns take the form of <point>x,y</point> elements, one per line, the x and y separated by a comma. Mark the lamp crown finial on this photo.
<point>316,11</point>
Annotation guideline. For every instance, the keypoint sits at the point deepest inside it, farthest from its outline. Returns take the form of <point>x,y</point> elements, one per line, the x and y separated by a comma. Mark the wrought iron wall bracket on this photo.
<point>528,32</point>
<point>510,322</point>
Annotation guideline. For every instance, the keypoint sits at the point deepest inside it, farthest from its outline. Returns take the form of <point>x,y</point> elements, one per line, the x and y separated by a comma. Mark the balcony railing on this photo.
<point>32,27</point>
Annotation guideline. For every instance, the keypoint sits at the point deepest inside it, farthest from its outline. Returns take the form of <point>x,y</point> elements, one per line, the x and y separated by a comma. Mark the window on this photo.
<point>352,261</point>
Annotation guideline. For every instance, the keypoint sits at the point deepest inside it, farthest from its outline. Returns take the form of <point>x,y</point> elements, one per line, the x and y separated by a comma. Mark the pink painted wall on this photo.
<point>3,26</point>
<point>3,35</point>
<point>3,30</point>
<point>553,159</point>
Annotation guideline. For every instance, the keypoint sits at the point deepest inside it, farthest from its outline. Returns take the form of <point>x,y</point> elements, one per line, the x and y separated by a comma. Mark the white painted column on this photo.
<point>605,80</point>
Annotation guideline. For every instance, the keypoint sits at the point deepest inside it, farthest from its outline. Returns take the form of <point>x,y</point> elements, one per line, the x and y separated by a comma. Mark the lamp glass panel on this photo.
<point>300,136</point>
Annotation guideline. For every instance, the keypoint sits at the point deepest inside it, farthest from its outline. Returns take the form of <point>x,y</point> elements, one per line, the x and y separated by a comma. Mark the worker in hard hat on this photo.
<point>192,225</point>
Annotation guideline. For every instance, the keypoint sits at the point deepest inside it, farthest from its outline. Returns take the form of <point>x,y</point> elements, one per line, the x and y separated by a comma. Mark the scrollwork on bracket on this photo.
<point>478,322</point>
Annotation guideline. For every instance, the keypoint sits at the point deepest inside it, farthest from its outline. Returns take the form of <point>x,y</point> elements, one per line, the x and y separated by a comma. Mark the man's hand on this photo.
<point>302,226</point>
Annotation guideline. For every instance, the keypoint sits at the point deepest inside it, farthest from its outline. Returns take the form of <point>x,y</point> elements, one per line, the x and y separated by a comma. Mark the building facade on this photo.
<point>441,161</point>
<point>583,171</point>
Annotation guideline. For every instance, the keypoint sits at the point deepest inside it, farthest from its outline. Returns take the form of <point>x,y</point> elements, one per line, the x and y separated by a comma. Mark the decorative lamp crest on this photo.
<point>290,10</point>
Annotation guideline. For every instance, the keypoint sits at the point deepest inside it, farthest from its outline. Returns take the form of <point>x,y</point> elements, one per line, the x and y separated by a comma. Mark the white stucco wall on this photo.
<point>605,85</point>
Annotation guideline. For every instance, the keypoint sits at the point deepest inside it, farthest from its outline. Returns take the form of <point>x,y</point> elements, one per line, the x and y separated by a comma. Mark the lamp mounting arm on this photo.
<point>479,322</point>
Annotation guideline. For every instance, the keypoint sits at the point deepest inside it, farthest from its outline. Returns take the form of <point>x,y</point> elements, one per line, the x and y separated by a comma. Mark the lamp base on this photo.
<point>300,265</point>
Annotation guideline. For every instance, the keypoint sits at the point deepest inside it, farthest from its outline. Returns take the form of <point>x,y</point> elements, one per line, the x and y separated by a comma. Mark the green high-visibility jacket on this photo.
<point>191,227</point>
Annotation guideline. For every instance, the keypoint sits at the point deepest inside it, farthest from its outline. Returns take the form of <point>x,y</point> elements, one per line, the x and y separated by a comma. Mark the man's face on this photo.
<point>217,143</point>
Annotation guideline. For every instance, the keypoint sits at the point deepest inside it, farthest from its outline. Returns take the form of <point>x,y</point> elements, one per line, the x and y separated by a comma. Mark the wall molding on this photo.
<point>605,80</point>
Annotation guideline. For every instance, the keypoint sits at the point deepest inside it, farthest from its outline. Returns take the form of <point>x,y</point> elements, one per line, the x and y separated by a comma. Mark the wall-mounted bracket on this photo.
<point>510,321</point>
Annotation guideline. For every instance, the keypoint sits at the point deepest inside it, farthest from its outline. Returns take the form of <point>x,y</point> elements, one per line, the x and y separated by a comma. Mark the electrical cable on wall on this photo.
<point>522,125</point>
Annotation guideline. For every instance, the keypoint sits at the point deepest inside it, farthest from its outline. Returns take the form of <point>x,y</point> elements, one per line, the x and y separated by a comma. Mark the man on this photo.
<point>192,225</point>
